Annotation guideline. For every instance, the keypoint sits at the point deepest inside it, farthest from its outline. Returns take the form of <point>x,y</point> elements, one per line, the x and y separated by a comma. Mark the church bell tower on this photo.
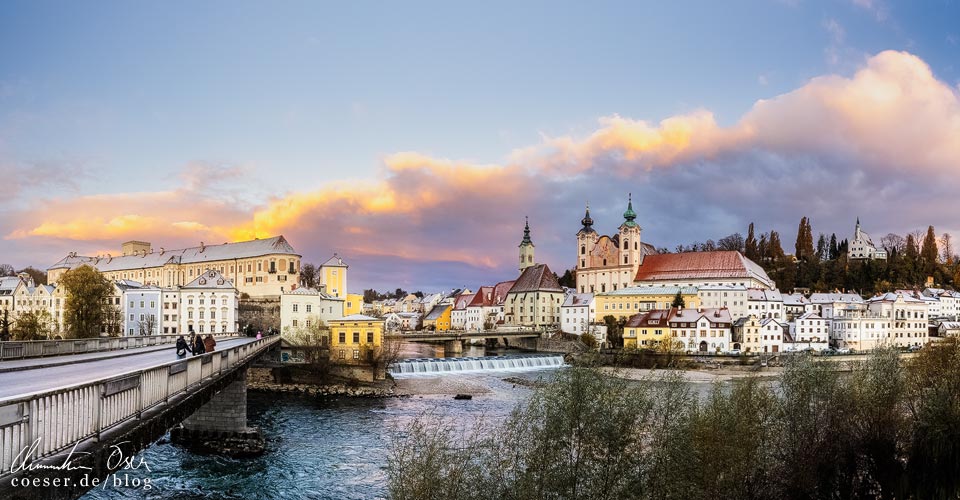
<point>526,248</point>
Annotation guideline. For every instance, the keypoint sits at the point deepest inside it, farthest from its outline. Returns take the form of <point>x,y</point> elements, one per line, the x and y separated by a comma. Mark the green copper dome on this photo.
<point>629,215</point>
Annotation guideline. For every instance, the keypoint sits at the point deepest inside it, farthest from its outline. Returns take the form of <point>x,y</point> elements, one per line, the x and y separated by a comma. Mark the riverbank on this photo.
<point>723,374</point>
<point>383,389</point>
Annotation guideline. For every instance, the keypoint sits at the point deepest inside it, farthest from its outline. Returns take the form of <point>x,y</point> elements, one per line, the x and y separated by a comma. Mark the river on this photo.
<point>321,448</point>
<point>317,448</point>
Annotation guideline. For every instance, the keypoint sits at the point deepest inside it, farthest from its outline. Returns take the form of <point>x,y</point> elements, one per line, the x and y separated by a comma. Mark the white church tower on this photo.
<point>526,248</point>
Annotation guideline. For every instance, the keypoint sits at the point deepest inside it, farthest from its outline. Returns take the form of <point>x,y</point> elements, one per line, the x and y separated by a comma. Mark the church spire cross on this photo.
<point>526,231</point>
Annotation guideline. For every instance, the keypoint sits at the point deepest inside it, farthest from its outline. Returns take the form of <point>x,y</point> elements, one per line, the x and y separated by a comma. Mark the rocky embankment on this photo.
<point>378,391</point>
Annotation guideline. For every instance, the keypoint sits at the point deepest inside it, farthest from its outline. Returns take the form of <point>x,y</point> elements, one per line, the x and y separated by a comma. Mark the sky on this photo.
<point>412,138</point>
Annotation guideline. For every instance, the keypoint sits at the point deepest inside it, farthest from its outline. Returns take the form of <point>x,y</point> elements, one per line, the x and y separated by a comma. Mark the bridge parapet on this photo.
<point>40,348</point>
<point>50,422</point>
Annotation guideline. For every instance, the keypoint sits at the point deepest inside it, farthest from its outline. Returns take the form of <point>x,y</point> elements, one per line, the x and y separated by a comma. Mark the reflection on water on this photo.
<point>410,350</point>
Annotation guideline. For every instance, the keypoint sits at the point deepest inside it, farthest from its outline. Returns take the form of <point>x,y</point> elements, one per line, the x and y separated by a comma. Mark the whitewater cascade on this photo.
<point>439,366</point>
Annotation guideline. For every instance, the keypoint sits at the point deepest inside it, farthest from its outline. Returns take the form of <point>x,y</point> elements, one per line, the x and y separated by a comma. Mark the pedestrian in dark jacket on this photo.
<point>209,344</point>
<point>198,347</point>
<point>182,348</point>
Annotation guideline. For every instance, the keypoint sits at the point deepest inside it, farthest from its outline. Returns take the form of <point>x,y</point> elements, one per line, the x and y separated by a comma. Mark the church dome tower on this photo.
<point>630,247</point>
<point>526,247</point>
<point>586,239</point>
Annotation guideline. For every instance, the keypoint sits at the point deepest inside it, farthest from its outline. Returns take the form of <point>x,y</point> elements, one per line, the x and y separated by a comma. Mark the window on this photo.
<point>141,304</point>
<point>369,337</point>
<point>356,354</point>
<point>201,314</point>
<point>296,307</point>
<point>343,339</point>
<point>356,337</point>
<point>131,304</point>
<point>294,323</point>
<point>131,317</point>
<point>213,314</point>
<point>309,307</point>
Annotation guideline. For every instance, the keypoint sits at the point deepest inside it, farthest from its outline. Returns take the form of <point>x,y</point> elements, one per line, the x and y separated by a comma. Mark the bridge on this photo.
<point>73,411</point>
<point>453,341</point>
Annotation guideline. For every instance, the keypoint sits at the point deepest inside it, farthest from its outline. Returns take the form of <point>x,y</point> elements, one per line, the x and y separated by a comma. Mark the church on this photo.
<point>610,263</point>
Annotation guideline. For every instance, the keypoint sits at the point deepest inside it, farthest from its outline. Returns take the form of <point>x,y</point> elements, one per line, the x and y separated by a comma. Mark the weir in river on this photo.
<point>439,366</point>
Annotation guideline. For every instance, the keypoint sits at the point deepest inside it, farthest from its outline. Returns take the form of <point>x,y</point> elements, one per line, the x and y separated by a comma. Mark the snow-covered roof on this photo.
<point>192,255</point>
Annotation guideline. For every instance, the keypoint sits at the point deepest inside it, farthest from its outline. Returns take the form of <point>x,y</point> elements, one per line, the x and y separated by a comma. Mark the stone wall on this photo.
<point>226,411</point>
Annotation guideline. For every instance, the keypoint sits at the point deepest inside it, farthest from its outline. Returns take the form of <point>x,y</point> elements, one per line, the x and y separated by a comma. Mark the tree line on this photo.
<point>824,265</point>
<point>890,428</point>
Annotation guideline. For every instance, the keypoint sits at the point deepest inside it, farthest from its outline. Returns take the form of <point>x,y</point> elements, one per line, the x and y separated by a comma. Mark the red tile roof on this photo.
<point>538,277</point>
<point>699,265</point>
<point>482,298</point>
<point>500,291</point>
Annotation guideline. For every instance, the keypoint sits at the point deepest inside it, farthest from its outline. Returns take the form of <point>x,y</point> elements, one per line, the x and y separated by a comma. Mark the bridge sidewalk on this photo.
<point>69,359</point>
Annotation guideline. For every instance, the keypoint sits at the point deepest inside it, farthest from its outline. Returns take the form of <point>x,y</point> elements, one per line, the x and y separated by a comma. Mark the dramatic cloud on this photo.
<point>881,143</point>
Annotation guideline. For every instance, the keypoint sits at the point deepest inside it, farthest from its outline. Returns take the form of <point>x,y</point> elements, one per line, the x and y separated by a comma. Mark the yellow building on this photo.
<point>438,319</point>
<point>333,275</point>
<point>626,302</point>
<point>353,304</point>
<point>354,339</point>
<point>648,330</point>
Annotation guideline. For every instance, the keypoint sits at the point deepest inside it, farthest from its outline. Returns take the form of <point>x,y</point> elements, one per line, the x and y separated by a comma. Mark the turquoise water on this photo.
<point>317,449</point>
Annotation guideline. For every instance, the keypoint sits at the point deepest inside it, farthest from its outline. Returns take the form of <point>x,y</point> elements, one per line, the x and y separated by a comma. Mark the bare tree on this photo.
<point>313,341</point>
<point>946,249</point>
<point>731,242</point>
<point>6,270</point>
<point>893,242</point>
<point>148,325</point>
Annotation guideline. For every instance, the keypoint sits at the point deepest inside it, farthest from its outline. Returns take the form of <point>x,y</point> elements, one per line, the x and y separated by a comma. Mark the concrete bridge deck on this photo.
<point>86,410</point>
<point>89,367</point>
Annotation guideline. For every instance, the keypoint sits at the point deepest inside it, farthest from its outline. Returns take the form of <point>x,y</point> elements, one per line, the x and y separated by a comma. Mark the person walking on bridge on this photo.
<point>198,347</point>
<point>209,344</point>
<point>182,348</point>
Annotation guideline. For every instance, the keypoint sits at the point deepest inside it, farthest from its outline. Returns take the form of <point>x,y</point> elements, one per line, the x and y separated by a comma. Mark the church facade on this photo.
<point>609,263</point>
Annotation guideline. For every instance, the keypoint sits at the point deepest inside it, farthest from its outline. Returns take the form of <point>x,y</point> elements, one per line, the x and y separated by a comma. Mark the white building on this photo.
<point>830,305</point>
<point>732,297</point>
<point>765,303</point>
<point>703,330</point>
<point>949,329</point>
<point>306,308</point>
<point>908,317</point>
<point>209,304</point>
<point>577,312</point>
<point>811,331</point>
<point>860,330</point>
<point>795,305</point>
<point>170,320</point>
<point>949,302</point>
<point>458,316</point>
<point>862,247</point>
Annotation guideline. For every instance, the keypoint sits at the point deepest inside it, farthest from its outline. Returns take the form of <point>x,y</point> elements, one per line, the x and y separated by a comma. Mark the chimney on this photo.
<point>202,247</point>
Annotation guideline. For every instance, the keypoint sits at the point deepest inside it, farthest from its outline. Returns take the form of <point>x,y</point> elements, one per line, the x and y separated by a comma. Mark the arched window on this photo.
<point>603,287</point>
<point>625,259</point>
<point>626,244</point>
<point>634,245</point>
<point>583,249</point>
<point>604,261</point>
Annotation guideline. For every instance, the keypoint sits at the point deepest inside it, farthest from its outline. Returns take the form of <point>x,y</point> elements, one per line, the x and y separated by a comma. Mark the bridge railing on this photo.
<point>40,348</point>
<point>45,423</point>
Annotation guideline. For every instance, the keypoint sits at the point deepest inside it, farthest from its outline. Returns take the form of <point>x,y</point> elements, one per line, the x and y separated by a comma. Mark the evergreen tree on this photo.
<point>822,248</point>
<point>750,249</point>
<point>834,247</point>
<point>804,245</point>
<point>678,300</point>
<point>929,252</point>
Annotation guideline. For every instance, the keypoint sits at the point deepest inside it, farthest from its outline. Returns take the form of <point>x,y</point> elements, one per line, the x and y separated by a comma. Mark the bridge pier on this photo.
<point>220,426</point>
<point>452,348</point>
